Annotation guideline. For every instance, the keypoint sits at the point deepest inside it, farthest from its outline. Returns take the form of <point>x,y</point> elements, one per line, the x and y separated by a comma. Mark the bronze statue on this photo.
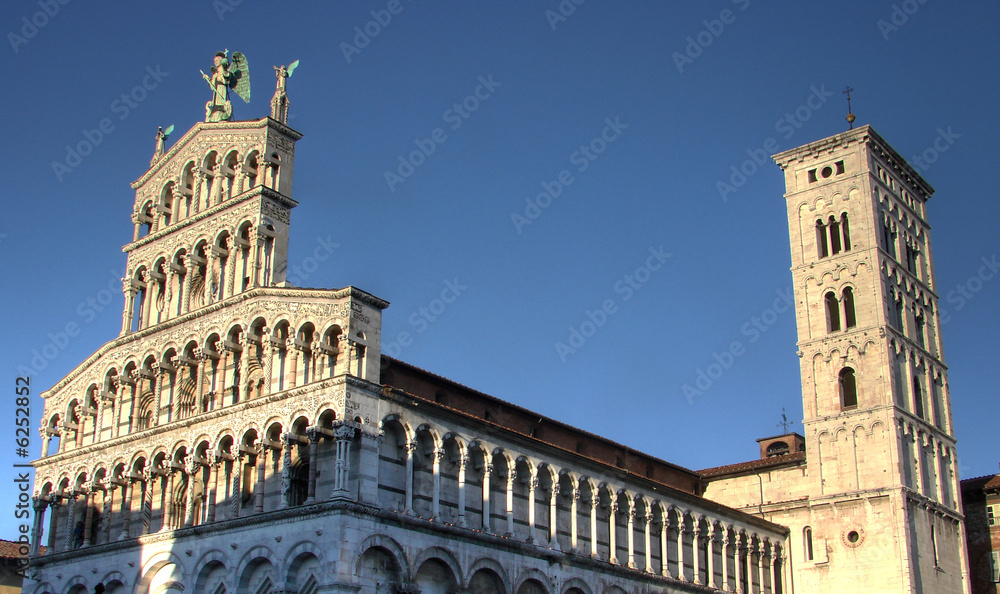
<point>226,76</point>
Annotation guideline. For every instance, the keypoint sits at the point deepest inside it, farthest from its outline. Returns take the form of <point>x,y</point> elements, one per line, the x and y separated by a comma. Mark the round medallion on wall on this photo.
<point>853,537</point>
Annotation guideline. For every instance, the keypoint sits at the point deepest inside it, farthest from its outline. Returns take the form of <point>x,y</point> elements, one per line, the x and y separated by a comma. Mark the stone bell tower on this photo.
<point>881,475</point>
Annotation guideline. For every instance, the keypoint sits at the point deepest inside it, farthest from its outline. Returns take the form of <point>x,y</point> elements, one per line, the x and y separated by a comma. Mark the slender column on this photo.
<point>487,511</point>
<point>287,442</point>
<point>38,505</point>
<point>344,434</point>
<point>258,491</point>
<point>168,500</point>
<point>147,500</point>
<point>630,528</point>
<point>772,557</point>
<point>511,475</point>
<point>749,568</point>
<point>664,551</point>
<point>130,294</point>
<point>210,259</point>
<point>594,501</point>
<point>213,496</point>
<point>107,510</point>
<point>235,495</point>
<point>313,436</point>
<point>71,526</point>
<point>612,533</point>
<point>201,357</point>
<point>192,269</point>
<point>696,551</point>
<point>725,559</point>
<point>710,556</point>
<point>760,568</point>
<point>255,250</point>
<point>532,488</point>
<point>648,519</point>
<point>293,365</point>
<point>268,352</point>
<point>193,469</point>
<point>409,449</point>
<point>785,575</point>
<point>436,457</point>
<point>553,516</point>
<point>574,538</point>
<point>680,546</point>
<point>737,565</point>
<point>199,185</point>
<point>53,523</point>
<point>126,507</point>
<point>463,461</point>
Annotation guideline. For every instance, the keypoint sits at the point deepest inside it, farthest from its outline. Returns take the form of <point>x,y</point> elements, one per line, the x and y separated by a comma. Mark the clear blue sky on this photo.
<point>553,86</point>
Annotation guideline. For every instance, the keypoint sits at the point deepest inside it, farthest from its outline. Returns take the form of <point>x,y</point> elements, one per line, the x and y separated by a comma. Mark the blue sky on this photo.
<point>665,99</point>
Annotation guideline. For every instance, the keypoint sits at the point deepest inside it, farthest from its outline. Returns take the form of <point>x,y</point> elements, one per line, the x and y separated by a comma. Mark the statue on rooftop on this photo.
<point>279,103</point>
<point>161,139</point>
<point>225,76</point>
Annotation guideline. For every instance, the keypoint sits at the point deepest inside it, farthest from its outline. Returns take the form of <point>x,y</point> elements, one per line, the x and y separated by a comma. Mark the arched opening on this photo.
<point>850,319</point>
<point>220,268</point>
<point>832,312</point>
<point>532,586</point>
<point>848,389</point>
<point>435,577</point>
<point>846,231</point>
<point>778,448</point>
<point>918,397</point>
<point>821,242</point>
<point>330,346</point>
<point>230,185</point>
<point>378,570</point>
<point>485,581</point>
<point>834,226</point>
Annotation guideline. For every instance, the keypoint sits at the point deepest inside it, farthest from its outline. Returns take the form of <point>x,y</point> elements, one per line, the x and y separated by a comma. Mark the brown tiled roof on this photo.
<point>718,471</point>
<point>12,550</point>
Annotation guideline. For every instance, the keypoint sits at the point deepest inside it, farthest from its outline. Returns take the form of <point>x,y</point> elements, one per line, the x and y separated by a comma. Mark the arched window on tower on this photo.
<point>834,235</point>
<point>846,231</point>
<point>824,249</point>
<point>848,389</point>
<point>918,398</point>
<point>919,325</point>
<point>850,318</point>
<point>897,313</point>
<point>807,543</point>
<point>832,312</point>
<point>889,239</point>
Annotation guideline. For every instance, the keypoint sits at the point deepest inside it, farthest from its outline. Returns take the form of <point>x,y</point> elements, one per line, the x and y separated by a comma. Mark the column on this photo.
<point>192,269</point>
<point>158,375</point>
<point>710,549</point>
<point>612,531</point>
<point>436,457</point>
<point>594,501</point>
<point>773,557</point>
<point>696,550</point>
<point>760,567</point>
<point>107,510</point>
<point>237,480</point>
<point>193,469</point>
<point>408,449</point>
<point>168,500</point>
<point>258,491</point>
<point>293,365</point>
<point>215,469</point>
<point>630,528</point>
<point>463,461</point>
<point>71,524</point>
<point>255,251</point>
<point>737,565</point>
<point>648,519</point>
<point>344,434</point>
<point>573,528</point>
<point>268,351</point>
<point>725,558</point>
<point>664,551</point>
<point>199,375</point>
<point>487,511</point>
<point>532,487</point>
<point>126,507</point>
<point>786,580</point>
<point>210,259</point>
<point>511,475</point>
<point>88,517</point>
<point>553,516</point>
<point>749,567</point>
<point>38,505</point>
<point>53,523</point>
<point>680,546</point>
<point>127,313</point>
<point>313,436</point>
<point>287,442</point>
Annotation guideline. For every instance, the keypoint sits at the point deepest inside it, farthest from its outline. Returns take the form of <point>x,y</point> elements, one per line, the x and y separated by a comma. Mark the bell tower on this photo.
<point>882,474</point>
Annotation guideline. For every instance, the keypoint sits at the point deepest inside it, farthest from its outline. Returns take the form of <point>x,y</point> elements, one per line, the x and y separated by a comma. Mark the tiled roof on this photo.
<point>753,465</point>
<point>12,550</point>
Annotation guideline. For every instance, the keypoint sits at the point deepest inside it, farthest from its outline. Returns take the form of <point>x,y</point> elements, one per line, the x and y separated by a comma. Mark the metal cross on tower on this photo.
<point>784,421</point>
<point>850,116</point>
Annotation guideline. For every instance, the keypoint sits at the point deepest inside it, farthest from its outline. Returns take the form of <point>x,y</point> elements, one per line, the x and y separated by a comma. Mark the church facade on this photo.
<point>245,435</point>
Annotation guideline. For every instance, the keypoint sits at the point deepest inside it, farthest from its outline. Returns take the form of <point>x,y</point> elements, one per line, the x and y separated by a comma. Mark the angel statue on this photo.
<point>226,76</point>
<point>161,139</point>
<point>279,103</point>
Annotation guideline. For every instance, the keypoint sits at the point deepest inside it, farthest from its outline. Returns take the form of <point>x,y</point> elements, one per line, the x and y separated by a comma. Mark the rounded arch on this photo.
<point>444,556</point>
<point>485,572</point>
<point>532,581</point>
<point>390,547</point>
<point>304,559</point>
<point>162,568</point>
<point>576,586</point>
<point>255,568</point>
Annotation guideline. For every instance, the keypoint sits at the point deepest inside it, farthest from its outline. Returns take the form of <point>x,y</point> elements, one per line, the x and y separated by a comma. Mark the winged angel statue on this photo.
<point>225,76</point>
